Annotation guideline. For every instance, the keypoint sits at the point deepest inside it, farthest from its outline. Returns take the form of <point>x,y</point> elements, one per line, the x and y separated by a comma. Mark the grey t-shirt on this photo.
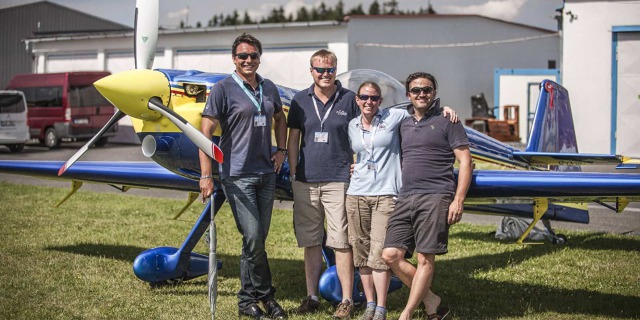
<point>427,152</point>
<point>246,147</point>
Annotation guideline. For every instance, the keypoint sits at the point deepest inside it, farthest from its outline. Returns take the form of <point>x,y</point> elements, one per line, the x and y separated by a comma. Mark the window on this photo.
<point>11,103</point>
<point>43,96</point>
<point>86,96</point>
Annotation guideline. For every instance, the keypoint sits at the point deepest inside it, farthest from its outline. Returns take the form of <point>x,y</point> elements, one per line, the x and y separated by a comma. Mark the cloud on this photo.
<point>500,9</point>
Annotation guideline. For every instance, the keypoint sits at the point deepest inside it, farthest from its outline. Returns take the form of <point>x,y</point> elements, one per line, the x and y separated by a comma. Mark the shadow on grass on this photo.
<point>591,241</point>
<point>482,298</point>
<point>468,296</point>
<point>116,252</point>
<point>287,274</point>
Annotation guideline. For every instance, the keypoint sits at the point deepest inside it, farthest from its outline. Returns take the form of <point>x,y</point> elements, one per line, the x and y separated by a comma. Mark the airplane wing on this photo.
<point>133,174</point>
<point>487,186</point>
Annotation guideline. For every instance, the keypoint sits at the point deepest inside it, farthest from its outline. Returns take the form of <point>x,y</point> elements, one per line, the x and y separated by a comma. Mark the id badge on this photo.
<point>371,165</point>
<point>321,137</point>
<point>260,121</point>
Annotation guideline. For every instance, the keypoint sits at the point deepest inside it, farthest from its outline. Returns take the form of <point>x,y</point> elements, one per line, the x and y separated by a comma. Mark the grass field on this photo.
<point>75,262</point>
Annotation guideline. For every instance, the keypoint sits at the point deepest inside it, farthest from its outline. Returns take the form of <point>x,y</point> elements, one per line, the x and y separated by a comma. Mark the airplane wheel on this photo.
<point>51,139</point>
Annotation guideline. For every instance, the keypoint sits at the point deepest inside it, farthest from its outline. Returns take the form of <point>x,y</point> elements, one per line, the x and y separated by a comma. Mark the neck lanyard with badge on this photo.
<point>259,120</point>
<point>371,163</point>
<point>322,136</point>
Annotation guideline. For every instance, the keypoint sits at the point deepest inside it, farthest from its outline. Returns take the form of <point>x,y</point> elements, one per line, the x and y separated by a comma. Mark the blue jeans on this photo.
<point>251,201</point>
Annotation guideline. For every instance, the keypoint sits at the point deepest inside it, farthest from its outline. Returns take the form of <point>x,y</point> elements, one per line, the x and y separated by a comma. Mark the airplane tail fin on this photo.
<point>553,130</point>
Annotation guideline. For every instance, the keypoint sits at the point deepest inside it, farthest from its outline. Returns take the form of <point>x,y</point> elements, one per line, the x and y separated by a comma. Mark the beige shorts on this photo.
<point>312,202</point>
<point>368,216</point>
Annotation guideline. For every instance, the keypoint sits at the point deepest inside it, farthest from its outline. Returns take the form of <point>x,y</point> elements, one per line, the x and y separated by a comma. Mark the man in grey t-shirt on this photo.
<point>244,106</point>
<point>429,200</point>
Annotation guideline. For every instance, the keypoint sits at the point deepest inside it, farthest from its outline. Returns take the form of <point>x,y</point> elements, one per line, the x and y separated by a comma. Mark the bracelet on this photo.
<point>284,151</point>
<point>206,177</point>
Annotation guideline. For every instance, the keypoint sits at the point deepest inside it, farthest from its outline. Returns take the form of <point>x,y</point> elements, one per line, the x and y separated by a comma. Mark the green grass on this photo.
<point>75,262</point>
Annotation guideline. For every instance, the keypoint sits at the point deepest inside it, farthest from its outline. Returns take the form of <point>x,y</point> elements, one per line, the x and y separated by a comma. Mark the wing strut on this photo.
<point>540,207</point>
<point>75,185</point>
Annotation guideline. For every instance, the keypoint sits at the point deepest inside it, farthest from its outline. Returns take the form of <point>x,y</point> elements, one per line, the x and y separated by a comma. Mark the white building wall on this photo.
<point>461,71</point>
<point>587,59</point>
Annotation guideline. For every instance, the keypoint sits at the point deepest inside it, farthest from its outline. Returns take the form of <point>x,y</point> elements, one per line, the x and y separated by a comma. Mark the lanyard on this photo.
<point>326,114</point>
<point>249,94</point>
<point>374,125</point>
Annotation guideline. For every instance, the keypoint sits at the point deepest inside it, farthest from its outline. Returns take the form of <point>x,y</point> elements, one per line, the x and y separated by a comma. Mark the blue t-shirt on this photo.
<point>323,161</point>
<point>246,147</point>
<point>385,179</point>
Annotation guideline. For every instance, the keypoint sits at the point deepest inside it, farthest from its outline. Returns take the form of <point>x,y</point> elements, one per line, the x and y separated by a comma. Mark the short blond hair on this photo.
<point>323,54</point>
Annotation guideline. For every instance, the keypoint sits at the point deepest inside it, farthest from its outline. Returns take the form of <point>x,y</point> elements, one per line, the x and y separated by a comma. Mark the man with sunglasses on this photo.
<point>318,133</point>
<point>245,106</point>
<point>430,200</point>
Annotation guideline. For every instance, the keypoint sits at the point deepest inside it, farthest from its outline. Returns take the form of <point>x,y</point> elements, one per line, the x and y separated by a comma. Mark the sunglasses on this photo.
<point>365,97</point>
<point>244,55</point>
<point>323,70</point>
<point>417,90</point>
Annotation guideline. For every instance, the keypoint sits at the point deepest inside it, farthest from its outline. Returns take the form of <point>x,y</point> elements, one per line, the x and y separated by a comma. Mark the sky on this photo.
<point>538,13</point>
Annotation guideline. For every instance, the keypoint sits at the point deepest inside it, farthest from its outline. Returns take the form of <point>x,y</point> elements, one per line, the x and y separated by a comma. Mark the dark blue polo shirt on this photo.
<point>323,162</point>
<point>246,148</point>
<point>427,152</point>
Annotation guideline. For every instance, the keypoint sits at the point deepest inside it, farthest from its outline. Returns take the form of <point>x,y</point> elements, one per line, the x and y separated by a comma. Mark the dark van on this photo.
<point>64,106</point>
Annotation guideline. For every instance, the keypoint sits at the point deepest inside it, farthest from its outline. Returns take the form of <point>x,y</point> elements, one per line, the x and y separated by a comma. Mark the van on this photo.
<point>14,131</point>
<point>65,106</point>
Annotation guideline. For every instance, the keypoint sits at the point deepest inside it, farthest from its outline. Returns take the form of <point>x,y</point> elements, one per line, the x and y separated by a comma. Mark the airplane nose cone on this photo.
<point>131,90</point>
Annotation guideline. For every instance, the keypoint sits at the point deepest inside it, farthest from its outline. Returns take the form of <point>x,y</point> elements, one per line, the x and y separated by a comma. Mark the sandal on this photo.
<point>441,314</point>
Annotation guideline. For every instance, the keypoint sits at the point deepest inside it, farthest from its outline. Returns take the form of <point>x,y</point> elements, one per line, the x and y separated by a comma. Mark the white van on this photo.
<point>14,131</point>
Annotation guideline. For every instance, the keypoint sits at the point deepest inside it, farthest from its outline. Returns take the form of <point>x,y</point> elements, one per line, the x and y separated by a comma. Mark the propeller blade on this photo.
<point>117,116</point>
<point>146,32</point>
<point>197,137</point>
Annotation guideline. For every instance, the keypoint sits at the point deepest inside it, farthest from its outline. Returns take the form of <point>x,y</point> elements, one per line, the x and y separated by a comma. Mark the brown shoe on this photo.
<point>307,306</point>
<point>344,310</point>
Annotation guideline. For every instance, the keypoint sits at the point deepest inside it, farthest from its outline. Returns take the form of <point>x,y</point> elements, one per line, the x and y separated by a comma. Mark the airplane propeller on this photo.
<point>145,40</point>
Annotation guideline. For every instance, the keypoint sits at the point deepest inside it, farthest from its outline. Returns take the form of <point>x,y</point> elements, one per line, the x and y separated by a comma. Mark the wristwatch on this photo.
<point>283,150</point>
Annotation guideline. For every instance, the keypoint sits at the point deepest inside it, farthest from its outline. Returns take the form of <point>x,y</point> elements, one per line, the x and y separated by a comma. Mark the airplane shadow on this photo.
<point>116,252</point>
<point>591,241</point>
<point>470,296</point>
<point>473,297</point>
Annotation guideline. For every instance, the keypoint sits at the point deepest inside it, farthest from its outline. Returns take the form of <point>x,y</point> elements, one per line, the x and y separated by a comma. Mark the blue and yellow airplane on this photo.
<point>166,105</point>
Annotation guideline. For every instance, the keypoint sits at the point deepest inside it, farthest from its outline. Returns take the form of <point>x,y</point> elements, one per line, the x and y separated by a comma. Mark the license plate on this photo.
<point>81,121</point>
<point>7,123</point>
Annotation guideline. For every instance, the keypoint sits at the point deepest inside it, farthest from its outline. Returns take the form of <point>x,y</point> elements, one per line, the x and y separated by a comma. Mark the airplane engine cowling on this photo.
<point>174,152</point>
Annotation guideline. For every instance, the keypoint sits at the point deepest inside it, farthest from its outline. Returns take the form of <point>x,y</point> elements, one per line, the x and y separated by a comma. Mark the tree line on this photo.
<point>319,13</point>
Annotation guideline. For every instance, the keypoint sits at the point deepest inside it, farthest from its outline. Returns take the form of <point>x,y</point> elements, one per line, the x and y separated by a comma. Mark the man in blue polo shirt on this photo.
<point>430,200</point>
<point>318,133</point>
<point>244,105</point>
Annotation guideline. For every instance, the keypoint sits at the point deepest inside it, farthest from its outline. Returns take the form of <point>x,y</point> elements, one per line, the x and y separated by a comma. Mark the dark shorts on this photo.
<point>419,223</point>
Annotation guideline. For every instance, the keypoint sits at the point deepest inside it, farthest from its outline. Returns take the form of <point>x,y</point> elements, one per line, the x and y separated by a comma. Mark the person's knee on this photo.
<point>391,256</point>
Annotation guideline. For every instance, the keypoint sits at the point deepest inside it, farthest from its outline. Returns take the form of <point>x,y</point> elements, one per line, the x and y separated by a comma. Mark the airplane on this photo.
<point>165,106</point>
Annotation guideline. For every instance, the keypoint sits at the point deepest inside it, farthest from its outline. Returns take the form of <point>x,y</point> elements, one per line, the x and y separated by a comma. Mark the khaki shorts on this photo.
<point>312,202</point>
<point>368,216</point>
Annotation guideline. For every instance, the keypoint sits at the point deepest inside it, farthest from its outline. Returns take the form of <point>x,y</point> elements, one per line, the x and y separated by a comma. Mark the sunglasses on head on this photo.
<point>244,55</point>
<point>323,70</point>
<point>365,97</point>
<point>417,90</point>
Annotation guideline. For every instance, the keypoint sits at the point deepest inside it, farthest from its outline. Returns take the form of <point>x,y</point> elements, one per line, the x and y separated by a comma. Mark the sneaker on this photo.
<point>344,310</point>
<point>368,313</point>
<point>274,310</point>
<point>380,315</point>
<point>307,306</point>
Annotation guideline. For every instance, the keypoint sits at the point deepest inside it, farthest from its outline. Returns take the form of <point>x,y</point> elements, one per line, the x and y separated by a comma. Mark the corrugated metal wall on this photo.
<point>21,22</point>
